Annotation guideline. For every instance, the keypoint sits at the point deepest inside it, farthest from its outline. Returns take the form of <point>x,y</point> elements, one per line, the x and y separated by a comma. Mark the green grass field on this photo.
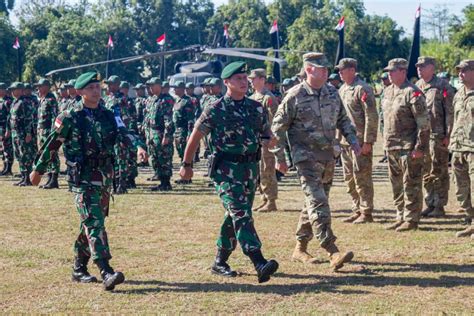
<point>165,245</point>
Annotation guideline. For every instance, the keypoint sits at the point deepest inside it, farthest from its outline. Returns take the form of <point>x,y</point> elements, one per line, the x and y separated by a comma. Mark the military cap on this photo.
<point>63,86</point>
<point>384,75</point>
<point>113,79</point>
<point>466,64</point>
<point>258,73</point>
<point>190,85</point>
<point>316,59</point>
<point>3,86</point>
<point>139,86</point>
<point>16,85</point>
<point>425,60</point>
<point>206,81</point>
<point>286,82</point>
<point>28,86</point>
<point>43,82</point>
<point>71,83</point>
<point>154,80</point>
<point>124,84</point>
<point>83,80</point>
<point>271,79</point>
<point>237,67</point>
<point>179,84</point>
<point>334,76</point>
<point>346,63</point>
<point>396,63</point>
<point>165,84</point>
<point>444,75</point>
<point>214,82</point>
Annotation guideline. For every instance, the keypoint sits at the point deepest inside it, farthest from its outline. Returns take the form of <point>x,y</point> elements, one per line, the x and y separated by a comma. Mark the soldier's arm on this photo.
<point>168,119</point>
<point>284,117</point>
<point>418,107</point>
<point>367,100</point>
<point>190,117</point>
<point>448,97</point>
<point>344,124</point>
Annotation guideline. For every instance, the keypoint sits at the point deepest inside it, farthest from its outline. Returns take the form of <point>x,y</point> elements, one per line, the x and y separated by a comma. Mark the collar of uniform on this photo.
<point>404,85</point>
<point>468,93</point>
<point>311,91</point>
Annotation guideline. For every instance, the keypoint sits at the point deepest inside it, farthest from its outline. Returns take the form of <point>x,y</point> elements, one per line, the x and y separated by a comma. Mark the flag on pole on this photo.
<point>340,46</point>
<point>415,46</point>
<point>226,31</point>
<point>274,28</point>
<point>161,40</point>
<point>110,43</point>
<point>275,38</point>
<point>16,45</point>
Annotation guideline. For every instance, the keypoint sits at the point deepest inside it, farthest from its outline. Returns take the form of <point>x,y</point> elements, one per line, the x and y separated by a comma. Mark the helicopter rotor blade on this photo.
<point>52,72</point>
<point>244,49</point>
<point>232,53</point>
<point>159,54</point>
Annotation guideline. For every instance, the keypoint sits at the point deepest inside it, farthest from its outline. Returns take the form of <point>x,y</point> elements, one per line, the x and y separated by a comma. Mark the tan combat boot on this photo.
<point>262,204</point>
<point>467,232</point>
<point>406,226</point>
<point>394,225</point>
<point>336,258</point>
<point>363,219</point>
<point>351,218</point>
<point>301,253</point>
<point>270,206</point>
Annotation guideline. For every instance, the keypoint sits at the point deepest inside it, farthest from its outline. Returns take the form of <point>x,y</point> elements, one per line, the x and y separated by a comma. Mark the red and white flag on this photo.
<point>161,40</point>
<point>16,45</point>
<point>110,43</point>
<point>226,31</point>
<point>340,24</point>
<point>418,12</point>
<point>274,27</point>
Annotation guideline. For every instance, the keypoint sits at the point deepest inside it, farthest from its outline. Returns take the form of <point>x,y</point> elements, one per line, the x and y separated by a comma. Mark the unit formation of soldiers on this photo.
<point>251,135</point>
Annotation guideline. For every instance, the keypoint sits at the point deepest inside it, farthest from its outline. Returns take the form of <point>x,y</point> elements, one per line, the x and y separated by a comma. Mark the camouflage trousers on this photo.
<point>92,204</point>
<point>54,165</point>
<point>463,172</point>
<point>122,154</point>
<point>132,163</point>
<point>24,153</point>
<point>406,176</point>
<point>436,174</point>
<point>161,158</point>
<point>235,184</point>
<point>268,180</point>
<point>6,146</point>
<point>316,180</point>
<point>358,178</point>
<point>180,143</point>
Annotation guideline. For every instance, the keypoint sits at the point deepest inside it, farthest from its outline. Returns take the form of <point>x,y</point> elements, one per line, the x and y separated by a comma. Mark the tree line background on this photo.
<point>54,34</point>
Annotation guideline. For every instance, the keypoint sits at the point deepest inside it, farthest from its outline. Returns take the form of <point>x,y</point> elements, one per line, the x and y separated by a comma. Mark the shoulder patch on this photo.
<point>417,93</point>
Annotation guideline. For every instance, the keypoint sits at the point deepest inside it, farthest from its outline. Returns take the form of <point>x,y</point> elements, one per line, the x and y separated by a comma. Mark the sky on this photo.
<point>402,11</point>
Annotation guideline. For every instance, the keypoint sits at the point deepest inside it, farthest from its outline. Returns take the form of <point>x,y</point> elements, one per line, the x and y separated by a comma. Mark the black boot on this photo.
<point>22,180</point>
<point>7,169</point>
<point>154,178</point>
<point>121,187</point>
<point>26,182</point>
<point>53,184</point>
<point>264,268</point>
<point>79,271</point>
<point>166,184</point>
<point>50,176</point>
<point>220,266</point>
<point>109,276</point>
<point>131,183</point>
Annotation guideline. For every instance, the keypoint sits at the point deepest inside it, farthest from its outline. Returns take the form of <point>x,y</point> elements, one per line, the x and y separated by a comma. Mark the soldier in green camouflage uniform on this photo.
<point>141,108</point>
<point>6,145</point>
<point>309,115</point>
<point>406,139</point>
<point>20,128</point>
<point>197,110</point>
<point>63,98</point>
<point>462,143</point>
<point>183,118</point>
<point>159,134</point>
<point>236,125</point>
<point>359,101</point>
<point>34,106</point>
<point>439,102</point>
<point>132,126</point>
<point>89,133</point>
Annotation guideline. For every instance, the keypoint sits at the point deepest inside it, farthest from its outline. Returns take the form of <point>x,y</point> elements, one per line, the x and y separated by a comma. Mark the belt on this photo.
<point>98,162</point>
<point>254,157</point>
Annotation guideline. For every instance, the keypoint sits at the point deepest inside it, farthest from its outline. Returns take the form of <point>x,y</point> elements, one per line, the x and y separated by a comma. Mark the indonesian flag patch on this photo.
<point>416,94</point>
<point>58,123</point>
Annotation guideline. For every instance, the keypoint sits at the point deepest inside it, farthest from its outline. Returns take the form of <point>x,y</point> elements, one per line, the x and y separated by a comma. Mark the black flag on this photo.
<point>415,47</point>
<point>275,35</point>
<point>340,45</point>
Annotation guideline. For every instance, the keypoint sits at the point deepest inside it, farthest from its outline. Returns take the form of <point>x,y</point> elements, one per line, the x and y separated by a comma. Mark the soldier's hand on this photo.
<point>142,155</point>
<point>282,167</point>
<point>356,149</point>
<point>416,154</point>
<point>28,138</point>
<point>186,173</point>
<point>446,141</point>
<point>7,135</point>
<point>35,177</point>
<point>366,149</point>
<point>165,141</point>
<point>272,142</point>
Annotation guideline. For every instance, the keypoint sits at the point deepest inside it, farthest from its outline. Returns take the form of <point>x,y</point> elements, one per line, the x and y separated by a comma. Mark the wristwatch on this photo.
<point>186,164</point>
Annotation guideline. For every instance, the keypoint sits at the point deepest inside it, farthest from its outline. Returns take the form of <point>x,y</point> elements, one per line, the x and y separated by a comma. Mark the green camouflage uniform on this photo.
<point>183,119</point>
<point>6,146</point>
<point>89,137</point>
<point>141,109</point>
<point>235,128</point>
<point>33,109</point>
<point>47,112</point>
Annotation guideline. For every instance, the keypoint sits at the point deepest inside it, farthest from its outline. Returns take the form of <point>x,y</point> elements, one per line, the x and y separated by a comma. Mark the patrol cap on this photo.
<point>124,84</point>
<point>237,67</point>
<point>179,84</point>
<point>258,73</point>
<point>466,64</point>
<point>113,79</point>
<point>334,76</point>
<point>286,82</point>
<point>83,80</point>
<point>165,84</point>
<point>443,75</point>
<point>346,63</point>
<point>384,75</point>
<point>43,82</point>
<point>16,85</point>
<point>71,83</point>
<point>316,59</point>
<point>190,85</point>
<point>27,86</point>
<point>154,80</point>
<point>214,82</point>
<point>3,86</point>
<point>139,86</point>
<point>396,63</point>
<point>271,79</point>
<point>425,60</point>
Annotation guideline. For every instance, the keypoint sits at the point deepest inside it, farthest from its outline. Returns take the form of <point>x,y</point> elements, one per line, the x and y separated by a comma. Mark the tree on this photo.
<point>8,55</point>
<point>462,32</point>
<point>6,6</point>
<point>437,22</point>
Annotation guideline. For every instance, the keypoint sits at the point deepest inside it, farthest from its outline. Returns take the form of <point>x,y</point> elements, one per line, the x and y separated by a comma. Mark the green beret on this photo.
<point>165,84</point>
<point>179,84</point>
<point>154,80</point>
<point>113,79</point>
<point>237,67</point>
<point>16,85</point>
<point>3,86</point>
<point>43,82</point>
<point>214,82</point>
<point>189,85</point>
<point>83,80</point>
<point>124,84</point>
<point>334,76</point>
<point>71,83</point>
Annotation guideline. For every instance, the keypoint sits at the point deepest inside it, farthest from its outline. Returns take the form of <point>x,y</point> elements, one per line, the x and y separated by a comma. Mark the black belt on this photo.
<point>98,162</point>
<point>255,157</point>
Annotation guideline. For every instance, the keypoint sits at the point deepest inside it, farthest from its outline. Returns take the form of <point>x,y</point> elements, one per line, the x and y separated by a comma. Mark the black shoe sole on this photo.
<point>233,274</point>
<point>270,268</point>
<point>117,279</point>
<point>90,280</point>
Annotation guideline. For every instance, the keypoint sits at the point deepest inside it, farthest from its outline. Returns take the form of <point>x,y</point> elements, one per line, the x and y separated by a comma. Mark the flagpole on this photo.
<point>19,63</point>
